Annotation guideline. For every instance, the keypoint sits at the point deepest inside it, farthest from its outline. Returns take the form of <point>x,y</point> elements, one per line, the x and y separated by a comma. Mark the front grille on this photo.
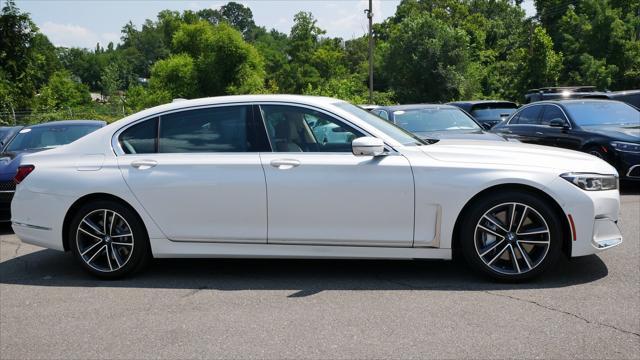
<point>634,171</point>
<point>7,186</point>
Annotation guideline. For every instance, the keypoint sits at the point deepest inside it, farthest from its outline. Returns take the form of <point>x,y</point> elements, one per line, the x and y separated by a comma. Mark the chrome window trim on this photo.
<point>117,149</point>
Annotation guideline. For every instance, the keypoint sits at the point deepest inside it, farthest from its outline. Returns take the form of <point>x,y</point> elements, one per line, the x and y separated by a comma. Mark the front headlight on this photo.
<point>625,146</point>
<point>592,182</point>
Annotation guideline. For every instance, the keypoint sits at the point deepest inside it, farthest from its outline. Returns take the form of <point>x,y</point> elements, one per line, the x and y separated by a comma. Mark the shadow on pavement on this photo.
<point>303,277</point>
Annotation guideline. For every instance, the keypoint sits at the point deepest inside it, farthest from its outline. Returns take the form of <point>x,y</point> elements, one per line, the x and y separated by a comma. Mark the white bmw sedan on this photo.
<point>258,176</point>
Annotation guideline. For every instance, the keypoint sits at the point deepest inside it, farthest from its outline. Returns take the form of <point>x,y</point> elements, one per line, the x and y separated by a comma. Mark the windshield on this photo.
<point>394,132</point>
<point>492,113</point>
<point>434,119</point>
<point>42,137</point>
<point>603,113</point>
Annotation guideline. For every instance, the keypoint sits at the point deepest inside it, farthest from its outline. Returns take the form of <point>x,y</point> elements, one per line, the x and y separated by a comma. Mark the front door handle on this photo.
<point>285,164</point>
<point>539,133</point>
<point>144,164</point>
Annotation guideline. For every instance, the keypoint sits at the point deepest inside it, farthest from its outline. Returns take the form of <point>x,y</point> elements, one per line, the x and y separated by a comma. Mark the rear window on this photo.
<point>44,137</point>
<point>497,112</point>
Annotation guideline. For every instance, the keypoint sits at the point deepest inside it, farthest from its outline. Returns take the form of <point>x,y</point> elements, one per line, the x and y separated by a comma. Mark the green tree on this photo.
<point>224,62</point>
<point>543,64</point>
<point>427,59</point>
<point>61,91</point>
<point>176,75</point>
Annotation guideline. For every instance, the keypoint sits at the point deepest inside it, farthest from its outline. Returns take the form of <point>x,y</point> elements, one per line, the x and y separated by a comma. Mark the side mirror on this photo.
<point>557,122</point>
<point>486,126</point>
<point>367,146</point>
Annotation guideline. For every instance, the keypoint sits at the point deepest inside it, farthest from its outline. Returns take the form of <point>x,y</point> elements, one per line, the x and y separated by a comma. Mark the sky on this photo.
<point>83,23</point>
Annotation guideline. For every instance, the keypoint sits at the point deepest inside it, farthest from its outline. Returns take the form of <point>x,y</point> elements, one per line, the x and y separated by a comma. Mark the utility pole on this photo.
<point>369,13</point>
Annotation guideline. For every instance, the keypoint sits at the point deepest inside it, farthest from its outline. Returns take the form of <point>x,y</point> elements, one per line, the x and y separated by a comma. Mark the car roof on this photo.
<point>69,122</point>
<point>476,102</point>
<point>417,107</point>
<point>573,101</point>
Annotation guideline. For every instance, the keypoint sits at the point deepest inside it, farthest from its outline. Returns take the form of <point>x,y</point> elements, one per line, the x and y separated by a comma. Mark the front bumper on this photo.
<point>628,165</point>
<point>594,215</point>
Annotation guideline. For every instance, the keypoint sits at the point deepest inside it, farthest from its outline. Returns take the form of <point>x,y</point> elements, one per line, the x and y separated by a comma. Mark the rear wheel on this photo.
<point>511,236</point>
<point>109,240</point>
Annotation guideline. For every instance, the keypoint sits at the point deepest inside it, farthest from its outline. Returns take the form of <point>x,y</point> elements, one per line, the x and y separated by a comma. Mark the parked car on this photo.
<point>631,97</point>
<point>369,107</point>
<point>207,178</point>
<point>7,133</point>
<point>33,139</point>
<point>435,121</point>
<point>607,129</point>
<point>561,92</point>
<point>487,112</point>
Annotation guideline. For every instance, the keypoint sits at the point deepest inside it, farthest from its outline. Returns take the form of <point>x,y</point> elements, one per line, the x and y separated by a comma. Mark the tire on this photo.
<point>111,249</point>
<point>597,152</point>
<point>490,240</point>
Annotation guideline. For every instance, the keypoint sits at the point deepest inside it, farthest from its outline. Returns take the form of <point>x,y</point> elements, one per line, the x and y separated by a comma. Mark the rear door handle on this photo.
<point>285,164</point>
<point>539,133</point>
<point>144,164</point>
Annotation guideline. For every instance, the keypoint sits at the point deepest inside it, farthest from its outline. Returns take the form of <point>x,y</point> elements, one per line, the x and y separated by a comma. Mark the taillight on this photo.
<point>22,173</point>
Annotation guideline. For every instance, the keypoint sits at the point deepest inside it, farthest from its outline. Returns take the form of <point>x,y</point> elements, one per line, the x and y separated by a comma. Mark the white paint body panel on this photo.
<point>202,197</point>
<point>237,205</point>
<point>340,199</point>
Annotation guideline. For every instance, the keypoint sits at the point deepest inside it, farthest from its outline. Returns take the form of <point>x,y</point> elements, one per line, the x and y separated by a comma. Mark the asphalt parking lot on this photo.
<point>585,308</point>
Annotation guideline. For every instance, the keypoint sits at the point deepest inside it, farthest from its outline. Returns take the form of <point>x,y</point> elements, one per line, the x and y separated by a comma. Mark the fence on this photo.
<point>28,117</point>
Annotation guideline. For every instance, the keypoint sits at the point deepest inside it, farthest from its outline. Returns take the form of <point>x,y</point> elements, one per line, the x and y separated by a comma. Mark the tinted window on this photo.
<point>528,116</point>
<point>218,129</point>
<point>486,113</point>
<point>296,129</point>
<point>552,112</point>
<point>140,138</point>
<point>49,136</point>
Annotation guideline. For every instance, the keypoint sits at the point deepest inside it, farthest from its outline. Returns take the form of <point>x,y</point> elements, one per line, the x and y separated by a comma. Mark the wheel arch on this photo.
<point>566,230</point>
<point>85,200</point>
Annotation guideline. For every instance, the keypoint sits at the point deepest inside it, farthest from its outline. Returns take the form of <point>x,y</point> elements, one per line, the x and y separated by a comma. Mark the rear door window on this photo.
<point>217,129</point>
<point>528,116</point>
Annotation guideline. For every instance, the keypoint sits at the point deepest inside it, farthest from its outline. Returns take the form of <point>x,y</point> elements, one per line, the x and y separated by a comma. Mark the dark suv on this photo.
<point>604,128</point>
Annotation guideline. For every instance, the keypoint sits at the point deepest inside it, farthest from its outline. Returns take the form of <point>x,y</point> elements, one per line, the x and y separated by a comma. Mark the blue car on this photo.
<point>7,133</point>
<point>33,139</point>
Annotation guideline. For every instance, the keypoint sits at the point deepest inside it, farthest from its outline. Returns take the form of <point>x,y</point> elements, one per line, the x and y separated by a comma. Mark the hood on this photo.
<point>9,162</point>
<point>460,134</point>
<point>516,154</point>
<point>617,132</point>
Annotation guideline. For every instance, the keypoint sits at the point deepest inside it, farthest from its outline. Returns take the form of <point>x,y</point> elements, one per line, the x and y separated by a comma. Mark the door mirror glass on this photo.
<point>557,122</point>
<point>367,146</point>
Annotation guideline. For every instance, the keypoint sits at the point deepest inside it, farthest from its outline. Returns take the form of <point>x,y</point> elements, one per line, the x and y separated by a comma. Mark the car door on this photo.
<point>524,125</point>
<point>557,136</point>
<point>319,193</point>
<point>198,173</point>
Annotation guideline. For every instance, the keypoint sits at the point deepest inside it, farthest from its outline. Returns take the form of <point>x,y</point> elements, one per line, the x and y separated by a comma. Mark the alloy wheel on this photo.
<point>512,238</point>
<point>105,240</point>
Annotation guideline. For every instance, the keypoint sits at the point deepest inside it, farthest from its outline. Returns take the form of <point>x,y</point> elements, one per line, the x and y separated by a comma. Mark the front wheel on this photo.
<point>511,236</point>
<point>108,240</point>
